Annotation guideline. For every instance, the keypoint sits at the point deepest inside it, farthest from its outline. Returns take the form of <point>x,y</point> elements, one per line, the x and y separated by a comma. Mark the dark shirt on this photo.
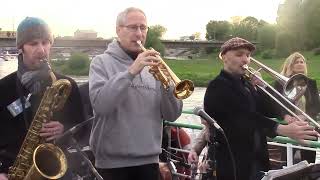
<point>240,110</point>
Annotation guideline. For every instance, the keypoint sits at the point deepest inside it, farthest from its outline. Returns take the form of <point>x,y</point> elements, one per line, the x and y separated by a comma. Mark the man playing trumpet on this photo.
<point>129,104</point>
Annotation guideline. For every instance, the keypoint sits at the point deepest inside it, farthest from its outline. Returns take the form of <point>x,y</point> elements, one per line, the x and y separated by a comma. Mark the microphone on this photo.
<point>200,112</point>
<point>74,129</point>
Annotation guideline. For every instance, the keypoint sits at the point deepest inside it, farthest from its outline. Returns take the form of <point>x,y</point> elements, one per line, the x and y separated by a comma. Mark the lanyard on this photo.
<point>23,102</point>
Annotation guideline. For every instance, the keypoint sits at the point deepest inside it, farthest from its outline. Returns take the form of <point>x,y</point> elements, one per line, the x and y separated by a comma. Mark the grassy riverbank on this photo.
<point>202,70</point>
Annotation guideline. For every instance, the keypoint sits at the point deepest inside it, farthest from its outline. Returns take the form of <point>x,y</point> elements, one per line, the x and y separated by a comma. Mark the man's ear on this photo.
<point>22,50</point>
<point>222,57</point>
<point>118,30</point>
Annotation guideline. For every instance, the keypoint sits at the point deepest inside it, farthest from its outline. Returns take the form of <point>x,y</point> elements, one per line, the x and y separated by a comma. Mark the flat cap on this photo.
<point>236,43</point>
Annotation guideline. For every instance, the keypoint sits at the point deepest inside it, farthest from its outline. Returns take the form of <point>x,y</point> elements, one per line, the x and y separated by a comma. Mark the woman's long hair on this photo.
<point>289,62</point>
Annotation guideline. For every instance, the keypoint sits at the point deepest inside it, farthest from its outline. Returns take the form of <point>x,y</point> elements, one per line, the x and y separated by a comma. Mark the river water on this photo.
<point>196,99</point>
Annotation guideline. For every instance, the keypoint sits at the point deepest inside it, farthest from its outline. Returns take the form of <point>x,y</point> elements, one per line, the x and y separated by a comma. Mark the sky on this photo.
<point>180,18</point>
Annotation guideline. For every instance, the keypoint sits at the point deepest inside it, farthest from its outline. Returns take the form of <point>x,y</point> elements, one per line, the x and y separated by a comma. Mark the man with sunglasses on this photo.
<point>129,104</point>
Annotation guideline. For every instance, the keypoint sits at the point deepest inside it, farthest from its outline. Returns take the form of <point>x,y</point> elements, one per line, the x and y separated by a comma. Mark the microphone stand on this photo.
<point>211,158</point>
<point>74,142</point>
<point>213,129</point>
<point>84,156</point>
<point>211,172</point>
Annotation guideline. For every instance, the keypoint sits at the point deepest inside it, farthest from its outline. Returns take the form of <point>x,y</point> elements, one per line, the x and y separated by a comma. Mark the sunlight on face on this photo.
<point>235,59</point>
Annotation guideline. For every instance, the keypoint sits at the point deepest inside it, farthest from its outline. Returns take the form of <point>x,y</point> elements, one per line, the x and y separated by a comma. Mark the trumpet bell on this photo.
<point>183,89</point>
<point>163,73</point>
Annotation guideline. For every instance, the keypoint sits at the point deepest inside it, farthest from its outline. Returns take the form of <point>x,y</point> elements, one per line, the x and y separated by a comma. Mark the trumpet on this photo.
<point>182,89</point>
<point>291,89</point>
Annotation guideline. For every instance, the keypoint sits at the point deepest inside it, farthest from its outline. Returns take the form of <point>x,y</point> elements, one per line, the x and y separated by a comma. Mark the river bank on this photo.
<point>7,67</point>
<point>202,70</point>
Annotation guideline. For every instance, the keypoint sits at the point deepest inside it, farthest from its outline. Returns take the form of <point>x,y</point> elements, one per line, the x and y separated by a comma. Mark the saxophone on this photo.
<point>38,160</point>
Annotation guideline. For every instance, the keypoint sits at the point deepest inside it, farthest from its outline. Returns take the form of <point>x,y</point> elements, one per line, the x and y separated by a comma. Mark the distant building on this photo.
<point>64,37</point>
<point>7,34</point>
<point>85,34</point>
<point>185,38</point>
<point>188,38</point>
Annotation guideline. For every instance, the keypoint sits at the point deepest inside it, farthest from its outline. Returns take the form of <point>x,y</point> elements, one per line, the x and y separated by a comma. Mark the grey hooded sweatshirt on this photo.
<point>129,110</point>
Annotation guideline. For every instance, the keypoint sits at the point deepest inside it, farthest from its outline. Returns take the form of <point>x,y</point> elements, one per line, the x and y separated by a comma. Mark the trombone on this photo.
<point>182,89</point>
<point>292,90</point>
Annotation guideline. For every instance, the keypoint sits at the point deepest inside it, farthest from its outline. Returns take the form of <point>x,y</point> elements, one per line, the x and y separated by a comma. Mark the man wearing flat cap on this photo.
<point>241,110</point>
<point>22,91</point>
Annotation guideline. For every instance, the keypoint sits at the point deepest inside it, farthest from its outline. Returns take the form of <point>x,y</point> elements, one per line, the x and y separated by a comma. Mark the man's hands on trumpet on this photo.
<point>146,58</point>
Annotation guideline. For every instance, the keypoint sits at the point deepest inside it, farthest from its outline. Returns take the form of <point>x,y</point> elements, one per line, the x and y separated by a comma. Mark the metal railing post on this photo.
<point>289,155</point>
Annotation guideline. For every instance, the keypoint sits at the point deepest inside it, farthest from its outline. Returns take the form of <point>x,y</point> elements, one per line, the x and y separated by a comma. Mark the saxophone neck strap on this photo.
<point>23,102</point>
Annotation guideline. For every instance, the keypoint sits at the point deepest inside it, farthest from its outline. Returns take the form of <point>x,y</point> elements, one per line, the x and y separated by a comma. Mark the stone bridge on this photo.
<point>62,48</point>
<point>101,43</point>
<point>173,44</point>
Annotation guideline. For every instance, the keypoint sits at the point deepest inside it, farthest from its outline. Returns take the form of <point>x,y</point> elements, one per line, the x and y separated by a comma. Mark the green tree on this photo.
<point>196,35</point>
<point>267,36</point>
<point>262,23</point>
<point>311,16</point>
<point>300,20</point>
<point>250,20</point>
<point>284,44</point>
<point>154,38</point>
<point>78,61</point>
<point>247,28</point>
<point>236,19</point>
<point>218,30</point>
<point>290,22</point>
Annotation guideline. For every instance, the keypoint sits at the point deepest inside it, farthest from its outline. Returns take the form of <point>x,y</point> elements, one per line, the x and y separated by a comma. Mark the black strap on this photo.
<point>23,102</point>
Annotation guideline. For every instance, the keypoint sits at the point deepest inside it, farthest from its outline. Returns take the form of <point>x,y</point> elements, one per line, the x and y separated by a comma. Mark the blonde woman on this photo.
<point>309,101</point>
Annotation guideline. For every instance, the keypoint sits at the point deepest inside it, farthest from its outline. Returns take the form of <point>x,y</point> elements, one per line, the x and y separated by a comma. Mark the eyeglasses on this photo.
<point>134,28</point>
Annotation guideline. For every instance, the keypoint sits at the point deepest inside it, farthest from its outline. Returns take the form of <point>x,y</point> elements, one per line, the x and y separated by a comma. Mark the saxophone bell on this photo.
<point>41,169</point>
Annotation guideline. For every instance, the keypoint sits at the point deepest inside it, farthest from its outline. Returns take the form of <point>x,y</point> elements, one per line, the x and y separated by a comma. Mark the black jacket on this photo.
<point>13,129</point>
<point>312,98</point>
<point>239,109</point>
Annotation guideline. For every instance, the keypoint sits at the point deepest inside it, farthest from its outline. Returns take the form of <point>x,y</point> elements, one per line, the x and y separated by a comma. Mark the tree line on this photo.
<point>297,29</point>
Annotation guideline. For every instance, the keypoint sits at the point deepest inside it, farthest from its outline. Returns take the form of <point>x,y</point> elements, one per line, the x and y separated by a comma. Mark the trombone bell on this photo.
<point>293,87</point>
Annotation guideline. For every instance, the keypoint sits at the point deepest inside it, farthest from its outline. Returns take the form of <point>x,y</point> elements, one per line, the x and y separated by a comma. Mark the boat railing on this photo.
<point>287,142</point>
